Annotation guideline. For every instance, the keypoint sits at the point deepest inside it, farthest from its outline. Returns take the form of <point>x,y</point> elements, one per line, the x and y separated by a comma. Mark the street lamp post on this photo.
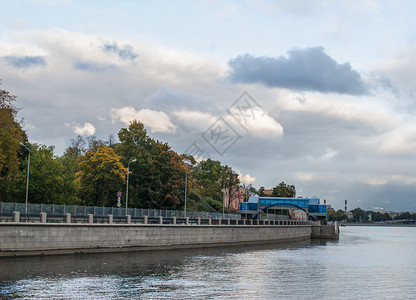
<point>186,190</point>
<point>27,180</point>
<point>223,201</point>
<point>127,187</point>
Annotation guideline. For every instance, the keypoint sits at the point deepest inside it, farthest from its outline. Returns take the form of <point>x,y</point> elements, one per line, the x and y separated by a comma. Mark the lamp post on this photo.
<point>186,190</point>
<point>223,202</point>
<point>27,180</point>
<point>127,187</point>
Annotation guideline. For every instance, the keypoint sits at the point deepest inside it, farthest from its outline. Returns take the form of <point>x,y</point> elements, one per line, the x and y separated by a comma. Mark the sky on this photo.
<point>318,94</point>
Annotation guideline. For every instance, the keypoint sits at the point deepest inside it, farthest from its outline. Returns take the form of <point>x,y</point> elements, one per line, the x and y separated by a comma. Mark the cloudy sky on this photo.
<point>319,94</point>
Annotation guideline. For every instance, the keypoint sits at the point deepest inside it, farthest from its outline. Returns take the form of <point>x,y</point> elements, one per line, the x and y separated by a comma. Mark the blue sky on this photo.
<point>329,103</point>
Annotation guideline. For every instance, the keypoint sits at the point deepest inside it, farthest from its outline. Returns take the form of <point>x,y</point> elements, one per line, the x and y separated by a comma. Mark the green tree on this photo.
<point>158,174</point>
<point>360,216</point>
<point>48,182</point>
<point>284,190</point>
<point>338,215</point>
<point>101,175</point>
<point>209,179</point>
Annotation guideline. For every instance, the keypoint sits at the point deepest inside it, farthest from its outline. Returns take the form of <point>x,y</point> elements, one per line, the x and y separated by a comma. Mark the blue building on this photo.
<point>256,205</point>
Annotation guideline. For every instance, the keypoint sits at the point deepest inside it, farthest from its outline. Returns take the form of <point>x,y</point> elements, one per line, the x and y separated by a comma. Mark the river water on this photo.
<point>366,263</point>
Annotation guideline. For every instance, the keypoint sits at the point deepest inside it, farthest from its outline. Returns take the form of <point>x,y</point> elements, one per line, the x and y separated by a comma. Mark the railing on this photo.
<point>43,217</point>
<point>7,209</point>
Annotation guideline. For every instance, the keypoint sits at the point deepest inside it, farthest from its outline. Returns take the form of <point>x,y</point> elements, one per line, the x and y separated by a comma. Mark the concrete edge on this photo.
<point>19,253</point>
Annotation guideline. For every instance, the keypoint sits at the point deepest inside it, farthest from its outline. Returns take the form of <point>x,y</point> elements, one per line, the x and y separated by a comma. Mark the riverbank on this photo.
<point>23,239</point>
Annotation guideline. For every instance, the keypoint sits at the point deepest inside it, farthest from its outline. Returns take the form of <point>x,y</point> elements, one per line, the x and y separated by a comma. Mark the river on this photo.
<point>366,263</point>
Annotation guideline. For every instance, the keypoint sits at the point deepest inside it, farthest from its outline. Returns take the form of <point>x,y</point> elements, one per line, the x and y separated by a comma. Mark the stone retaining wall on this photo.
<point>17,239</point>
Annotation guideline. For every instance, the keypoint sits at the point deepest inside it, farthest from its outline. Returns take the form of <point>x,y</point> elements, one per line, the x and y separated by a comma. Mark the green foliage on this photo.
<point>49,182</point>
<point>338,215</point>
<point>284,190</point>
<point>158,175</point>
<point>360,216</point>
<point>209,177</point>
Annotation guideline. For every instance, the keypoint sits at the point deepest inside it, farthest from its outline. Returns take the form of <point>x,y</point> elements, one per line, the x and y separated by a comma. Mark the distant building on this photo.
<point>297,208</point>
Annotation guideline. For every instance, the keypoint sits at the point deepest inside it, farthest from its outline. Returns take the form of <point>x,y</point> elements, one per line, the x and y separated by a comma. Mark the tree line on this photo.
<point>361,216</point>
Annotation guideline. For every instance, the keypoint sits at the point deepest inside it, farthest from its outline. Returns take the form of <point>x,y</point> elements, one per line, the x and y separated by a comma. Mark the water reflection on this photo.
<point>365,263</point>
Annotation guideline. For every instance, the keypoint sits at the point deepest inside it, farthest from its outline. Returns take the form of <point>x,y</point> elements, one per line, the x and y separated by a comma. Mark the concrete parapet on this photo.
<point>16,216</point>
<point>43,217</point>
<point>67,218</point>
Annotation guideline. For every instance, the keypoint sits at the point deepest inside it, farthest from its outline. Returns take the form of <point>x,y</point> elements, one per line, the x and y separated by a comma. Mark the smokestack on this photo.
<point>345,205</point>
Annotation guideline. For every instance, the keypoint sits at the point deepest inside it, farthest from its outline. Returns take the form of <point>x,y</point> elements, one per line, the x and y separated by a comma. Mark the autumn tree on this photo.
<point>11,135</point>
<point>100,177</point>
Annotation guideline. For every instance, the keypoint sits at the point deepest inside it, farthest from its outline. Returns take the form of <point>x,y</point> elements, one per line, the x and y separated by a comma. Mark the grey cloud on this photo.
<point>384,83</point>
<point>25,61</point>
<point>309,69</point>
<point>92,66</point>
<point>126,52</point>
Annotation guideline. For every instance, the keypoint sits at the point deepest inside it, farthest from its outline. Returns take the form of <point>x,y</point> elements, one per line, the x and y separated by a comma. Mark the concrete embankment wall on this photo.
<point>325,231</point>
<point>17,239</point>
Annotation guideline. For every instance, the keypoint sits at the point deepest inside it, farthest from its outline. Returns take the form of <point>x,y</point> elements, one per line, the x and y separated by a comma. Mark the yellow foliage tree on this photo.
<point>100,176</point>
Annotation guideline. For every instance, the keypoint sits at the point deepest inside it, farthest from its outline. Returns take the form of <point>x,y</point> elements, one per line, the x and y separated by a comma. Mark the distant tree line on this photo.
<point>361,216</point>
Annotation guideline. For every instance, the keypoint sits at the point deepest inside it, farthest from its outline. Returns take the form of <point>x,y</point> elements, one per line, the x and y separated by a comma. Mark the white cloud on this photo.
<point>157,121</point>
<point>195,120</point>
<point>258,123</point>
<point>86,129</point>
<point>246,178</point>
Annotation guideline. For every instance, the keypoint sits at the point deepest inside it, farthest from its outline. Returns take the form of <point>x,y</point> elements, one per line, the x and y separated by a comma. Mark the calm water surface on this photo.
<point>366,263</point>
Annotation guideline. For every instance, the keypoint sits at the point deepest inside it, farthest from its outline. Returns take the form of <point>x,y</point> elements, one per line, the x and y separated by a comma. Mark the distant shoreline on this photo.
<point>378,224</point>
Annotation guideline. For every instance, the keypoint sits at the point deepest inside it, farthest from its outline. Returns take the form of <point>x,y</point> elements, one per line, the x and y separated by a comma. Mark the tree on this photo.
<point>11,135</point>
<point>101,174</point>
<point>158,175</point>
<point>232,189</point>
<point>360,216</point>
<point>338,215</point>
<point>284,190</point>
<point>77,148</point>
<point>48,179</point>
<point>209,179</point>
